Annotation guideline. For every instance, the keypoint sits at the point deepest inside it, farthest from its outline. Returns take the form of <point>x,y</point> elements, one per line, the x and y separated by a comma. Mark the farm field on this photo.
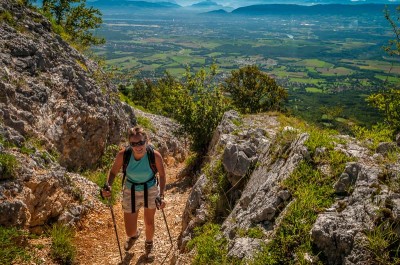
<point>321,60</point>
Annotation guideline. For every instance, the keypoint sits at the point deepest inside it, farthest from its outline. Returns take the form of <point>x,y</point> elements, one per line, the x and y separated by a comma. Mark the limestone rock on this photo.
<point>244,247</point>
<point>50,92</point>
<point>384,148</point>
<point>262,196</point>
<point>195,212</point>
<point>366,190</point>
<point>339,235</point>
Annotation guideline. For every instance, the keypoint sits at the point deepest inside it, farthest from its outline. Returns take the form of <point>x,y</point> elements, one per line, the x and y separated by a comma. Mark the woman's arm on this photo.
<point>161,172</point>
<point>119,160</point>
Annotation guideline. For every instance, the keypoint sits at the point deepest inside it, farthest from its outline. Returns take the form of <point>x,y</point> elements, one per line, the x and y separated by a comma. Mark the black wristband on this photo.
<point>107,187</point>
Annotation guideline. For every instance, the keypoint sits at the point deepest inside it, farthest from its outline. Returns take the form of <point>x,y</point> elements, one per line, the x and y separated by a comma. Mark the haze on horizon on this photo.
<point>241,3</point>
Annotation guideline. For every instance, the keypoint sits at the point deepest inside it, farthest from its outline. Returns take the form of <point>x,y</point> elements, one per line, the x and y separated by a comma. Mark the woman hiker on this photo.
<point>140,187</point>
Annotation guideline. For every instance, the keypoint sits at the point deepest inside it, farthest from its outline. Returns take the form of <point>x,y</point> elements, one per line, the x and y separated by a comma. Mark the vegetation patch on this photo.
<point>146,123</point>
<point>211,246</point>
<point>13,246</point>
<point>372,137</point>
<point>219,203</point>
<point>62,248</point>
<point>8,164</point>
<point>99,177</point>
<point>7,17</point>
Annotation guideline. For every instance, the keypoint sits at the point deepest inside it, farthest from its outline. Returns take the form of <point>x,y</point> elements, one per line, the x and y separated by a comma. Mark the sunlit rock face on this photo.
<point>257,155</point>
<point>55,108</point>
<point>52,92</point>
<point>58,113</point>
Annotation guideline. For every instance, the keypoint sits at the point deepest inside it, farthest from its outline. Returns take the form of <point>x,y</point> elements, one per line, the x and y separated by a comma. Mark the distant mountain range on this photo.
<point>339,9</point>
<point>242,3</point>
<point>138,4</point>
<point>265,9</point>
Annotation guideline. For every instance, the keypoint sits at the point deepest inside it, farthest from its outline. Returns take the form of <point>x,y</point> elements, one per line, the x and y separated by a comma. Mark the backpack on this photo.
<point>150,156</point>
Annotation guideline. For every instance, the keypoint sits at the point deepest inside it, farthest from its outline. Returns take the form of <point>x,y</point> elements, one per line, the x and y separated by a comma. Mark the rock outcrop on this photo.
<point>51,92</point>
<point>258,155</point>
<point>57,112</point>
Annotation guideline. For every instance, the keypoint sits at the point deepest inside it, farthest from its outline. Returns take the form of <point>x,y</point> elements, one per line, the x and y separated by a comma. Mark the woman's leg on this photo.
<point>149,223</point>
<point>131,223</point>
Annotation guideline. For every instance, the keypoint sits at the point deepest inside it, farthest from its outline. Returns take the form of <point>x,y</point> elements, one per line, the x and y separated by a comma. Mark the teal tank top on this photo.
<point>139,171</point>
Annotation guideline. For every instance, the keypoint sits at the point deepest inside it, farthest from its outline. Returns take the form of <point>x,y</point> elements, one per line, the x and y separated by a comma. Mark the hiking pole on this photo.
<point>158,203</point>
<point>115,225</point>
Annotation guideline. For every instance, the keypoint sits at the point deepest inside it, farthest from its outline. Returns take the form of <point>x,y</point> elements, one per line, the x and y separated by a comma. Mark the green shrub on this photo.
<point>255,232</point>
<point>27,150</point>
<point>210,244</point>
<point>145,123</point>
<point>9,164</point>
<point>7,17</point>
<point>108,157</point>
<point>253,91</point>
<point>191,160</point>
<point>62,249</point>
<point>219,203</point>
<point>196,102</point>
<point>372,137</point>
<point>384,244</point>
<point>200,107</point>
<point>99,177</point>
<point>12,246</point>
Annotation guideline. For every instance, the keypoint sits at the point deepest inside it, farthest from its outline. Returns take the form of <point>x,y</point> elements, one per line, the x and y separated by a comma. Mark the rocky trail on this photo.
<point>96,241</point>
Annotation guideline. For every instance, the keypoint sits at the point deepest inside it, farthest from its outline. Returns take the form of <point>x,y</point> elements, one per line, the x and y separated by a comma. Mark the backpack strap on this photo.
<point>152,158</point>
<point>127,157</point>
<point>152,163</point>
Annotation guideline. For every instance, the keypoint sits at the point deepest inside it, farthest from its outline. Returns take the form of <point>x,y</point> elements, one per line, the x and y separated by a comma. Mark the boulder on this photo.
<point>386,147</point>
<point>244,247</point>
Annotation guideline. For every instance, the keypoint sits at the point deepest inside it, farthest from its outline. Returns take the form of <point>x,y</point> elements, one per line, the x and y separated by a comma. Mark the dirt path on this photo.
<point>96,242</point>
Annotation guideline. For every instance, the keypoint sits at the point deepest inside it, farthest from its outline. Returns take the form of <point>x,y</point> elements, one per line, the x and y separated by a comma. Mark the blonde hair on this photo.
<point>137,131</point>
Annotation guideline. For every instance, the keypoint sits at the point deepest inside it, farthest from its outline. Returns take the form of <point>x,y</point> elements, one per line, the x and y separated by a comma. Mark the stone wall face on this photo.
<point>256,163</point>
<point>52,92</point>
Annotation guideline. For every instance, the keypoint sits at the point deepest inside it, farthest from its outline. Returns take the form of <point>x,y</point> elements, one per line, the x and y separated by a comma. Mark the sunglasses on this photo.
<point>140,143</point>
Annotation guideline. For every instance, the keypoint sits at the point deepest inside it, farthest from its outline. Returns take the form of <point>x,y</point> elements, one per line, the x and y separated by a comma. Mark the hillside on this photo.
<point>275,190</point>
<point>59,116</point>
<point>271,189</point>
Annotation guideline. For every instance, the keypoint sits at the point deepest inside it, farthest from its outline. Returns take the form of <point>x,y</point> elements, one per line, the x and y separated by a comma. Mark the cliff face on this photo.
<point>262,160</point>
<point>57,112</point>
<point>55,108</point>
<point>53,93</point>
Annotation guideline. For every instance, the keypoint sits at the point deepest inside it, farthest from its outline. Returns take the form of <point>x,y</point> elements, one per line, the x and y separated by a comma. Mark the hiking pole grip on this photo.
<point>115,226</point>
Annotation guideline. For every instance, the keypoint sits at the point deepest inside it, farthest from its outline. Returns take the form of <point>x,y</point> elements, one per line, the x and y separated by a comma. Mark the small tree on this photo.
<point>142,93</point>
<point>201,108</point>
<point>76,20</point>
<point>253,91</point>
<point>388,99</point>
<point>79,23</point>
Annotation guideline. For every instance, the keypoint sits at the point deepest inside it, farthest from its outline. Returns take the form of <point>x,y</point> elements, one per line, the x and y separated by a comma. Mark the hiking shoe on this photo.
<point>148,246</point>
<point>131,241</point>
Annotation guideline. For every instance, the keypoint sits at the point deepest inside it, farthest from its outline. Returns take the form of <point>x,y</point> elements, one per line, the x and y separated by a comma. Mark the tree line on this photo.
<point>198,101</point>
